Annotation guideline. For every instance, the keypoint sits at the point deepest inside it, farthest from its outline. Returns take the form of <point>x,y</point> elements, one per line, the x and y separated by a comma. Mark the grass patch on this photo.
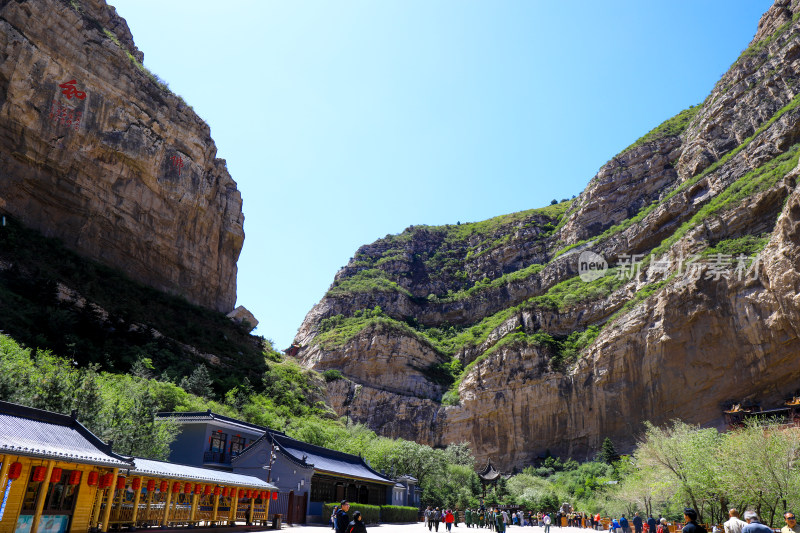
<point>747,245</point>
<point>370,280</point>
<point>573,291</point>
<point>669,128</point>
<point>757,180</point>
<point>759,46</point>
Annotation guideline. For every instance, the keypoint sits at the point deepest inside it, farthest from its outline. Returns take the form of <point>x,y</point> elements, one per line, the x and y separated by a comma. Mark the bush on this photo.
<point>332,375</point>
<point>398,513</point>
<point>370,514</point>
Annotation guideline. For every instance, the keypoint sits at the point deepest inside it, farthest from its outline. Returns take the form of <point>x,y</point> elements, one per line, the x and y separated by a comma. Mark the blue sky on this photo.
<point>344,121</point>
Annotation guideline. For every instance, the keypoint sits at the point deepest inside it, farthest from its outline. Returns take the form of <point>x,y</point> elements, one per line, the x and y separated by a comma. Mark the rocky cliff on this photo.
<point>96,151</point>
<point>501,334</point>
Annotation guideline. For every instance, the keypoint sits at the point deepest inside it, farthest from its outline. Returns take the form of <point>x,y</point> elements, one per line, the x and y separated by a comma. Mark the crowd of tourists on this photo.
<point>498,520</point>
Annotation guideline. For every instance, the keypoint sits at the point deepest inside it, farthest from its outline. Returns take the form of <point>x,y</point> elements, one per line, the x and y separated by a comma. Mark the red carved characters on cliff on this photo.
<point>69,90</point>
<point>65,115</point>
<point>177,163</point>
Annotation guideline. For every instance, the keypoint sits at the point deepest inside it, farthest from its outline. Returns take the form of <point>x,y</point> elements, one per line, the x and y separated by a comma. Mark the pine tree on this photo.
<point>608,454</point>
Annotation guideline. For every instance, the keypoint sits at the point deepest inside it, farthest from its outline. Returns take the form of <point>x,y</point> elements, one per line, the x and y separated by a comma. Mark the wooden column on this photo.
<point>234,508</point>
<point>98,498</point>
<point>216,507</point>
<point>43,489</point>
<point>252,510</point>
<point>150,495</point>
<point>266,507</point>
<point>167,504</point>
<point>195,499</point>
<point>109,502</point>
<point>136,498</point>
<point>4,473</point>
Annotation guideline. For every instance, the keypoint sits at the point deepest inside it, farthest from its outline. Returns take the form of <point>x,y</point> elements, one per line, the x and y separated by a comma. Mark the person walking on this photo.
<point>791,523</point>
<point>468,517</point>
<point>342,518</point>
<point>428,519</point>
<point>455,517</point>
<point>481,518</point>
<point>333,517</point>
<point>734,524</point>
<point>448,520</point>
<point>651,524</point>
<point>662,526</point>
<point>638,525</point>
<point>615,526</point>
<point>357,525</point>
<point>437,517</point>
<point>500,521</point>
<point>623,523</point>
<point>546,521</point>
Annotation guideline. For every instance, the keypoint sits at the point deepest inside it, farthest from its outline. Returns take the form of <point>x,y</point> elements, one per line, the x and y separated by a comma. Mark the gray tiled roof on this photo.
<point>32,432</point>
<point>149,467</point>
<point>324,459</point>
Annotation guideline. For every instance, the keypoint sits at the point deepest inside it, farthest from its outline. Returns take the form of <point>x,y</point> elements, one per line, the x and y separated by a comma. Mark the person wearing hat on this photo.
<point>754,525</point>
<point>690,517</point>
<point>791,523</point>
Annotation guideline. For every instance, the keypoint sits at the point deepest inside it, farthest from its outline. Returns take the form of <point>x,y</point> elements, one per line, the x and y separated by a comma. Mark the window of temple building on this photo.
<point>218,441</point>
<point>60,498</point>
<point>237,445</point>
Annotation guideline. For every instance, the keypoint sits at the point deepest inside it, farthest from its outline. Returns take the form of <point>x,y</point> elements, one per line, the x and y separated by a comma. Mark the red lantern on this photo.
<point>225,492</point>
<point>75,477</point>
<point>216,491</point>
<point>137,484</point>
<point>14,471</point>
<point>55,475</point>
<point>106,480</point>
<point>164,486</point>
<point>176,487</point>
<point>274,495</point>
<point>120,483</point>
<point>93,479</point>
<point>151,485</point>
<point>187,488</point>
<point>198,489</point>
<point>38,474</point>
<point>207,490</point>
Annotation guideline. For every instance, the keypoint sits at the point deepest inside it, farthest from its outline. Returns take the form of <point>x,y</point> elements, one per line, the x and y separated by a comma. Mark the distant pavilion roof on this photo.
<point>489,474</point>
<point>37,433</point>
<point>148,467</point>
<point>321,460</point>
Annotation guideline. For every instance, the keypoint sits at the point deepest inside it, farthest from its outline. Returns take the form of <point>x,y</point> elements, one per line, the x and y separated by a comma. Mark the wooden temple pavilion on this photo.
<point>58,477</point>
<point>488,476</point>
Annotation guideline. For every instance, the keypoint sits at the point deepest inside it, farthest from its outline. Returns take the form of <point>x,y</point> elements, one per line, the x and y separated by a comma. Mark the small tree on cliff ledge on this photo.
<point>608,454</point>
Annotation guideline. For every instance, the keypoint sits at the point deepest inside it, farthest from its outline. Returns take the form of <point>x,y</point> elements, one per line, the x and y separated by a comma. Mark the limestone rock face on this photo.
<point>711,316</point>
<point>117,167</point>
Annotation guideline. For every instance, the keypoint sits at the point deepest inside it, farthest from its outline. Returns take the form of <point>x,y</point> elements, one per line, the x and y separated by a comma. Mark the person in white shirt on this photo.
<point>734,525</point>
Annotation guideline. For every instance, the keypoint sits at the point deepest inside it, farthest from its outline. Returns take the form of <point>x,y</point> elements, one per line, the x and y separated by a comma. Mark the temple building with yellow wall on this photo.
<point>57,477</point>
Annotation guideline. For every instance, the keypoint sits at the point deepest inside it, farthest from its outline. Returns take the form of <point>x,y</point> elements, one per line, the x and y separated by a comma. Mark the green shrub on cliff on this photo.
<point>35,309</point>
<point>670,127</point>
